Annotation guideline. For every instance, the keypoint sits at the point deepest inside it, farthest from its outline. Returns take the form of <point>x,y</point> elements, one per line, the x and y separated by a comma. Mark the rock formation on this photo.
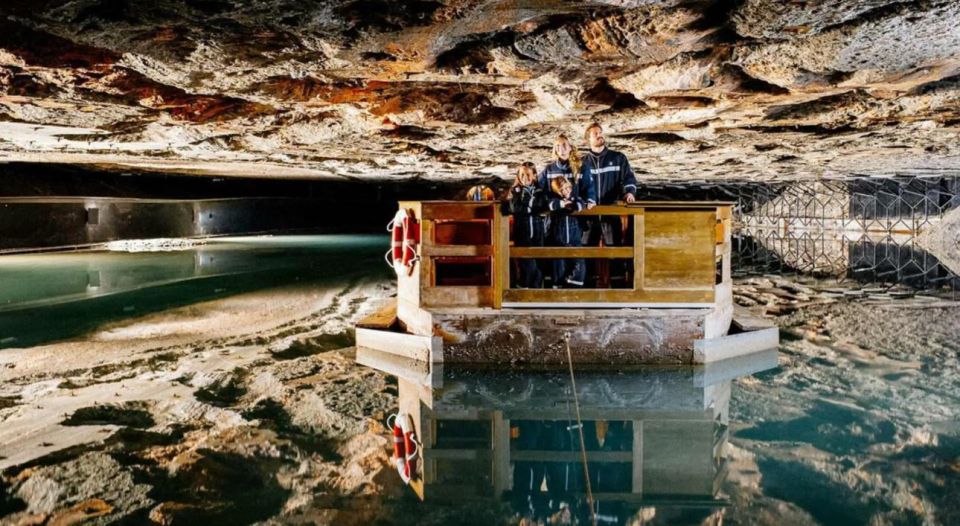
<point>448,89</point>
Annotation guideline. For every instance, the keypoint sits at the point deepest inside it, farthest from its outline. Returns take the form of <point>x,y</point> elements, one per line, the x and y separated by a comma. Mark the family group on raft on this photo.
<point>542,203</point>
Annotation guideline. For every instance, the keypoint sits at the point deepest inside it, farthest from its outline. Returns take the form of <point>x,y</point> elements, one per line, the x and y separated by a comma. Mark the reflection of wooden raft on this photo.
<point>458,306</point>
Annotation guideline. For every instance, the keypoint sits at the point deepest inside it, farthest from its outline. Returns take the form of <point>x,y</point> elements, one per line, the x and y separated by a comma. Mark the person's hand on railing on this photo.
<point>629,198</point>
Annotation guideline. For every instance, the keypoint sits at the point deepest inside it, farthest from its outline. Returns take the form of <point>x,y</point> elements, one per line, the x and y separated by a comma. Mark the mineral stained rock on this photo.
<point>456,89</point>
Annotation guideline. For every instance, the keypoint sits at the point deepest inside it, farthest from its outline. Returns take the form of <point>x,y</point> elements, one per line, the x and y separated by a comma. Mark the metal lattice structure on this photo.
<point>850,229</point>
<point>888,260</point>
<point>863,230</point>
<point>895,205</point>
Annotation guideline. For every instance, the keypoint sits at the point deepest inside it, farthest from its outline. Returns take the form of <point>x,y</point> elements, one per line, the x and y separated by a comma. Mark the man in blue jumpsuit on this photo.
<point>612,180</point>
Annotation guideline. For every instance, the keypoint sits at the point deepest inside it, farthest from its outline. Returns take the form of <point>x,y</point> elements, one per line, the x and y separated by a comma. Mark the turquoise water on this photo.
<point>856,420</point>
<point>787,438</point>
<point>48,297</point>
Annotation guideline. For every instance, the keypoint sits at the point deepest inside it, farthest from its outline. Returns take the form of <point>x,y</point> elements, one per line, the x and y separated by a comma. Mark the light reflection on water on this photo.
<point>857,426</point>
<point>45,297</point>
<point>654,439</point>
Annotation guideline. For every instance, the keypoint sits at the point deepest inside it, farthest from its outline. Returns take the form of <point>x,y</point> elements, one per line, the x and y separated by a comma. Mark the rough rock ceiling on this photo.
<point>440,89</point>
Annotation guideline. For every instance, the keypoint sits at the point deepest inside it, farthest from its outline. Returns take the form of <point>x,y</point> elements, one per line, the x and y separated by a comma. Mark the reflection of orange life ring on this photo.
<point>405,446</point>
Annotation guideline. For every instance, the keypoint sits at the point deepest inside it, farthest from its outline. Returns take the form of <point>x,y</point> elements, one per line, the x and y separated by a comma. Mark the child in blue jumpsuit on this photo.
<point>525,202</point>
<point>565,232</point>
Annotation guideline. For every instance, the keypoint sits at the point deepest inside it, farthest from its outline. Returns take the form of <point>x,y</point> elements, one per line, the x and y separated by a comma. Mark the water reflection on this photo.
<point>45,297</point>
<point>653,438</point>
<point>859,258</point>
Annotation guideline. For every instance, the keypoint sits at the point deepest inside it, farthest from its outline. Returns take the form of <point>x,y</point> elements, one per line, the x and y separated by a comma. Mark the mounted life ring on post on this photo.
<point>411,241</point>
<point>394,255</point>
<point>404,241</point>
<point>405,446</point>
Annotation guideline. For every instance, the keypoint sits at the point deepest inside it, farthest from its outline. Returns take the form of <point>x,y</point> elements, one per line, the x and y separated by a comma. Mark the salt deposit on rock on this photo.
<point>461,87</point>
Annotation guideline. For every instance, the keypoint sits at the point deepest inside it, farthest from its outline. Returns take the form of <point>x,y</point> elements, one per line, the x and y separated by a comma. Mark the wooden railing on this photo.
<point>674,257</point>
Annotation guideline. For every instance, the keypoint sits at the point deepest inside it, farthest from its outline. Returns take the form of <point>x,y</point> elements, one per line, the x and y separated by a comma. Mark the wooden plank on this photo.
<point>423,348</point>
<point>426,276</point>
<point>456,250</point>
<point>459,209</point>
<point>457,297</point>
<point>383,318</point>
<point>572,252</point>
<point>679,249</point>
<point>611,210</point>
<point>639,230</point>
<point>697,296</point>
<point>501,263</point>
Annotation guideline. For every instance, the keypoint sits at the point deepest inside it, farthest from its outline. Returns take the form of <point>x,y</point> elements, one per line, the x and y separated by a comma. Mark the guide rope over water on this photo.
<point>583,449</point>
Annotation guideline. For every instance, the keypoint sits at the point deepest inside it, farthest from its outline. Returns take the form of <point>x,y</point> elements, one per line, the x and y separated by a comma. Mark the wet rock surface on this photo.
<point>457,89</point>
<point>861,416</point>
<point>858,424</point>
<point>217,431</point>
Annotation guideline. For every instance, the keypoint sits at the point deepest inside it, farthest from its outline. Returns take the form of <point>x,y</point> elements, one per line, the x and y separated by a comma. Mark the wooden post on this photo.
<point>501,257</point>
<point>638,232</point>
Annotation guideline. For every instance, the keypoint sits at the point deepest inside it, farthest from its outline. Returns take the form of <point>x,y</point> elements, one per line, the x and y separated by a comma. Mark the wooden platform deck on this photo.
<point>459,305</point>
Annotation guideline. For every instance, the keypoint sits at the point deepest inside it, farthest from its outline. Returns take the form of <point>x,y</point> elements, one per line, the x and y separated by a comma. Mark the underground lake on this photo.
<point>479,262</point>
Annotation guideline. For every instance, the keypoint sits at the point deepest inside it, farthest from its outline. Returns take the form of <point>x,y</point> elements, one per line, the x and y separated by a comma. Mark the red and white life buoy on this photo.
<point>406,449</point>
<point>394,255</point>
<point>404,241</point>
<point>411,241</point>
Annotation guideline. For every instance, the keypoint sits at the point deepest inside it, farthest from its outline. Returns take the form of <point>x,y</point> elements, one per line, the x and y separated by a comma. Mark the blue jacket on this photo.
<point>612,176</point>
<point>526,203</point>
<point>582,185</point>
<point>564,228</point>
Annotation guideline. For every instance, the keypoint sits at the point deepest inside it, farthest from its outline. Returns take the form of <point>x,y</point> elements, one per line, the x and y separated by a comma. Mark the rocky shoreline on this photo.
<point>271,422</point>
<point>270,418</point>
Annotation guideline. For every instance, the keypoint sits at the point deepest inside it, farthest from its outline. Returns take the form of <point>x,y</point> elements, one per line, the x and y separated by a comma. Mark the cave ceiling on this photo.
<point>465,89</point>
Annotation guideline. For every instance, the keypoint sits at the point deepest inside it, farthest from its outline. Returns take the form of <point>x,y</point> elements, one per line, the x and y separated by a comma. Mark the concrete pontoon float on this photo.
<point>455,302</point>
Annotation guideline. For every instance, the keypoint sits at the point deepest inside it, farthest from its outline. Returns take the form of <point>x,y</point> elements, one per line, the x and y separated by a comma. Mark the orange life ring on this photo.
<point>411,239</point>
<point>394,255</point>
